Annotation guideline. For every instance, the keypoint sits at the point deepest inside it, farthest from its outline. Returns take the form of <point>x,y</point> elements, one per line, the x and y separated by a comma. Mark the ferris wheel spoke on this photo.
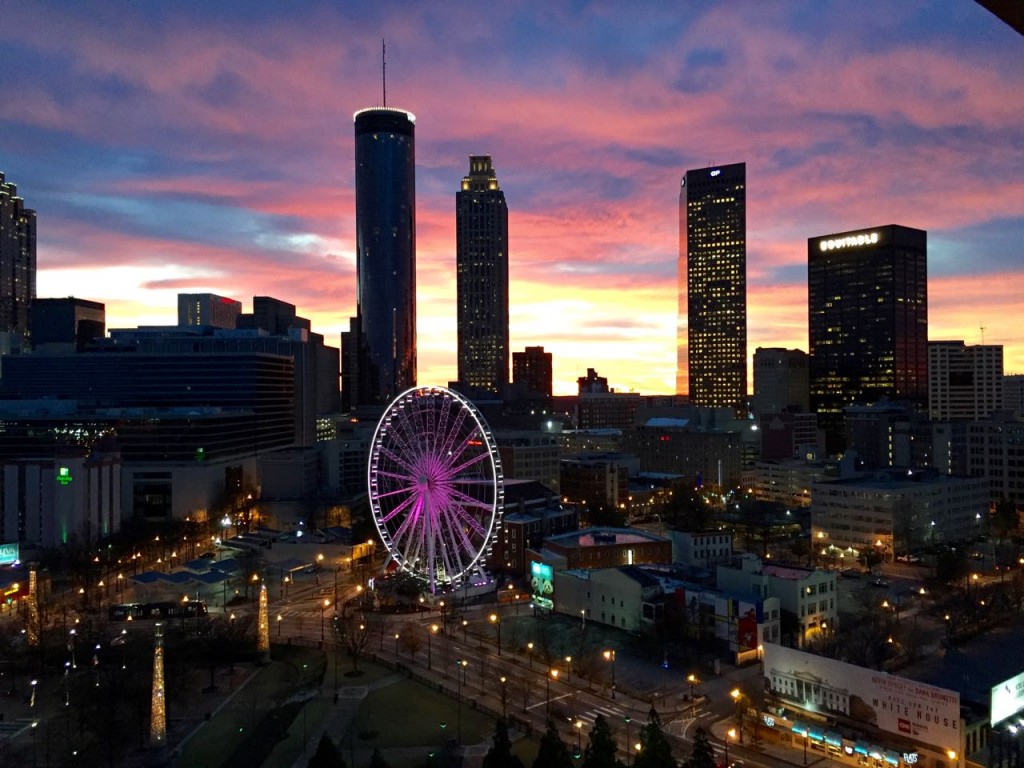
<point>397,459</point>
<point>470,501</point>
<point>469,463</point>
<point>453,435</point>
<point>407,525</point>
<point>398,509</point>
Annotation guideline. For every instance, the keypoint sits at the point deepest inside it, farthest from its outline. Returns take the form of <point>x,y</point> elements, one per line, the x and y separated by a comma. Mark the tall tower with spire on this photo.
<point>379,350</point>
<point>481,262</point>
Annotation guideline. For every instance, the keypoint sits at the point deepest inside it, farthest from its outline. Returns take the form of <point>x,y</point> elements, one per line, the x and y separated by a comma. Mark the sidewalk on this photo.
<point>767,749</point>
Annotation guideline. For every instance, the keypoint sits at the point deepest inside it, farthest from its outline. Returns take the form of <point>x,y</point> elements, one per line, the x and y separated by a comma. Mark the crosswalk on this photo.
<point>613,714</point>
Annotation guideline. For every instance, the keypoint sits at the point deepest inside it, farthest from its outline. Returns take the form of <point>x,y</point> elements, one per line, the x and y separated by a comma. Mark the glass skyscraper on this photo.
<point>868,321</point>
<point>481,262</point>
<point>17,261</point>
<point>713,256</point>
<point>384,334</point>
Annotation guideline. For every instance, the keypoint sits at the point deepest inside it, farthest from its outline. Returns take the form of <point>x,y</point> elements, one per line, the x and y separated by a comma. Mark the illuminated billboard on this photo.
<point>542,584</point>
<point>926,713</point>
<point>1007,699</point>
<point>8,554</point>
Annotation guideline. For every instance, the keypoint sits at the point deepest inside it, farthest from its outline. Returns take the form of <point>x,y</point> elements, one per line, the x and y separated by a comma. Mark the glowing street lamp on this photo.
<point>497,623</point>
<point>609,655</point>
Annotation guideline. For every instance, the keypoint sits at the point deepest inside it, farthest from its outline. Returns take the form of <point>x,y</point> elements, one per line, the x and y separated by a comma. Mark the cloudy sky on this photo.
<point>196,146</point>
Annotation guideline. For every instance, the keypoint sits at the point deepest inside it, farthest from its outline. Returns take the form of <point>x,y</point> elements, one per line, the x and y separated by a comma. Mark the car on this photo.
<point>880,583</point>
<point>208,555</point>
<point>850,573</point>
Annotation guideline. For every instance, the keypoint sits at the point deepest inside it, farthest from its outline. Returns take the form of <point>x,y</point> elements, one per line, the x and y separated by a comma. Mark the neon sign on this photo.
<point>849,241</point>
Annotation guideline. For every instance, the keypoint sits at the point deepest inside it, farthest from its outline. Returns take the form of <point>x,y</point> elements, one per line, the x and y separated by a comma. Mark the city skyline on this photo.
<point>173,152</point>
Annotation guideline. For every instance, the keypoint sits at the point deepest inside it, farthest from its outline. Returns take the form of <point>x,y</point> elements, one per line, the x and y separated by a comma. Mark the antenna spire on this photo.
<point>384,70</point>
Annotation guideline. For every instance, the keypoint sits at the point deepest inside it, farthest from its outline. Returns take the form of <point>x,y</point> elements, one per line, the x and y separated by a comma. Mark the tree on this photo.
<point>600,752</point>
<point>500,754</point>
<point>327,754</point>
<point>1005,518</point>
<point>353,637</point>
<point>552,752</point>
<point>377,759</point>
<point>655,751</point>
<point>702,755</point>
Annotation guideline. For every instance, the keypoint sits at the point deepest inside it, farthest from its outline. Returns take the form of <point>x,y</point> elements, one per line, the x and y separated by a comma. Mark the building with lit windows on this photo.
<point>379,349</point>
<point>895,511</point>
<point>713,256</point>
<point>17,266</point>
<point>868,321</point>
<point>481,265</point>
<point>808,594</point>
<point>964,382</point>
<point>208,309</point>
<point>780,381</point>
<point>532,371</point>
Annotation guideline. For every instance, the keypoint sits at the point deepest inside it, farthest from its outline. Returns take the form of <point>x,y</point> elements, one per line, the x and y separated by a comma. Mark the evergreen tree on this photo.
<point>655,751</point>
<point>600,752</point>
<point>327,754</point>
<point>377,759</point>
<point>500,754</point>
<point>552,752</point>
<point>702,756</point>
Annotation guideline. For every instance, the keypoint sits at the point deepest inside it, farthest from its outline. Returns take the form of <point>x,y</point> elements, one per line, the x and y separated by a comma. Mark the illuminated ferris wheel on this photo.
<point>435,485</point>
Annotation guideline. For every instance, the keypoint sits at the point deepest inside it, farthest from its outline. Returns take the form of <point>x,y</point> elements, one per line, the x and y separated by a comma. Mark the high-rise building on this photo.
<point>481,263</point>
<point>713,256</point>
<point>964,382</point>
<point>17,261</point>
<point>208,309</point>
<point>531,370</point>
<point>66,325</point>
<point>382,341</point>
<point>868,321</point>
<point>780,380</point>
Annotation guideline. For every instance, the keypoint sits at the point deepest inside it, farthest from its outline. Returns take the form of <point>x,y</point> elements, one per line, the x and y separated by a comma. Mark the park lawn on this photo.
<point>408,714</point>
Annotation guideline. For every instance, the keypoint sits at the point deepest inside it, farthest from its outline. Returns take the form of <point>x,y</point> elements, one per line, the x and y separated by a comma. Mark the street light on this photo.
<point>609,655</point>
<point>323,607</point>
<point>279,626</point>
<point>529,653</point>
<point>731,734</point>
<point>397,636</point>
<point>627,718</point>
<point>568,669</point>
<point>497,622</point>
<point>504,691</point>
<point>552,675</point>
<point>431,631</point>
<point>462,664</point>
<point>693,681</point>
<point>736,696</point>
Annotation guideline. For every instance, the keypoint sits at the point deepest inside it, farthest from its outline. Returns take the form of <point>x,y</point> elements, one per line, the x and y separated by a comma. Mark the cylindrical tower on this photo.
<point>386,251</point>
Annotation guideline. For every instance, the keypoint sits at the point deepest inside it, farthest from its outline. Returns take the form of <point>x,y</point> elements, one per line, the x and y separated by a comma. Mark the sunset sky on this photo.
<point>189,147</point>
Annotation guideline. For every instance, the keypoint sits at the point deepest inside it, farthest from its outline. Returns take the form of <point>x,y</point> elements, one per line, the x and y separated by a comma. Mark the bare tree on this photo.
<point>353,636</point>
<point>411,641</point>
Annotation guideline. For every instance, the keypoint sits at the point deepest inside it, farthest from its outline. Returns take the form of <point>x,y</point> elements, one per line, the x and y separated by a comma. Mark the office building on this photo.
<point>780,381</point>
<point>964,382</point>
<point>807,594</point>
<point>481,264</point>
<point>532,371</point>
<point>713,256</point>
<point>381,343</point>
<point>895,511</point>
<point>1013,393</point>
<point>17,264</point>
<point>868,320</point>
<point>66,325</point>
<point>208,309</point>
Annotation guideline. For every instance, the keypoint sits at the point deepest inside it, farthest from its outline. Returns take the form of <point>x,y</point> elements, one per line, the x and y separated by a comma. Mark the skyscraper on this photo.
<point>532,370</point>
<point>713,256</point>
<point>964,382</point>
<point>481,262</point>
<point>17,261</point>
<point>384,334</point>
<point>868,321</point>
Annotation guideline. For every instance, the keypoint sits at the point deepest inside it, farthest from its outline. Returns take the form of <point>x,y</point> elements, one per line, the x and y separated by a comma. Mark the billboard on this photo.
<point>1007,699</point>
<point>542,579</point>
<point>8,553</point>
<point>926,713</point>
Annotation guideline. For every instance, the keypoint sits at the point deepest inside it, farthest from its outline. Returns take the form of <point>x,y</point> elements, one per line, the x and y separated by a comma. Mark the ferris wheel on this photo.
<point>435,485</point>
